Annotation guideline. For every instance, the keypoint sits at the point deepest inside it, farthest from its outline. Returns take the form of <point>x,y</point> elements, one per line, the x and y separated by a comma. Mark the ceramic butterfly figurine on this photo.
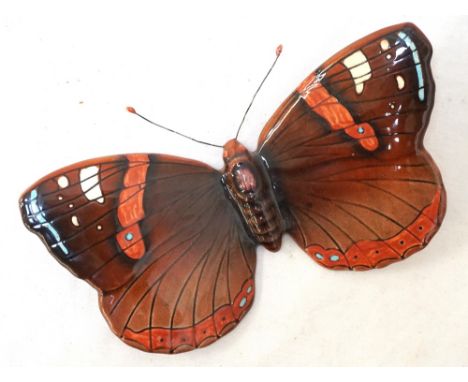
<point>169,243</point>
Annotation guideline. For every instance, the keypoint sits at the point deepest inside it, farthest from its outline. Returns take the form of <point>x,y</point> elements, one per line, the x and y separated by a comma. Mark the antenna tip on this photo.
<point>131,109</point>
<point>279,49</point>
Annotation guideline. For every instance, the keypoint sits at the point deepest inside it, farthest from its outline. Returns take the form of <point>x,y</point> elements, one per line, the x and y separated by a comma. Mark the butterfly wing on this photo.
<point>346,151</point>
<point>156,236</point>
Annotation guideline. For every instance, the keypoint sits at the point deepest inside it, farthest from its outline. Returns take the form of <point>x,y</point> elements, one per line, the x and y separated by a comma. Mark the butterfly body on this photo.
<point>170,243</point>
<point>248,184</point>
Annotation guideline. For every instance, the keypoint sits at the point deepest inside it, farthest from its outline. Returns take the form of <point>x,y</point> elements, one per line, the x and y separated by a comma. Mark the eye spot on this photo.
<point>129,236</point>
<point>402,242</point>
<point>377,251</point>
<point>63,181</point>
<point>334,258</point>
<point>360,130</point>
<point>319,256</point>
<point>99,227</point>
<point>74,220</point>
<point>420,227</point>
<point>161,340</point>
<point>388,56</point>
<point>249,289</point>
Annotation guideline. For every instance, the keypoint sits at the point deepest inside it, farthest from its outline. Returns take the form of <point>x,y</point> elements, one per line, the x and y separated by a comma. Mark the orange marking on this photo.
<point>204,330</point>
<point>133,245</point>
<point>223,318</point>
<point>337,116</point>
<point>366,254</point>
<point>369,144</point>
<point>130,210</point>
<point>160,338</point>
<point>373,250</point>
<point>166,340</point>
<point>365,134</point>
<point>131,206</point>
<point>182,337</point>
<point>403,241</point>
<point>140,337</point>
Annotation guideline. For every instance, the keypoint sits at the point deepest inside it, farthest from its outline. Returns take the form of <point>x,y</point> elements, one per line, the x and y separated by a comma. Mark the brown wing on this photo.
<point>346,150</point>
<point>156,236</point>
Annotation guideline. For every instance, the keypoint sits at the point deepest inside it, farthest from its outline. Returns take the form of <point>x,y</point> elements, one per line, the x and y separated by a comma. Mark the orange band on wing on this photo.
<point>130,210</point>
<point>337,116</point>
<point>131,205</point>
<point>177,340</point>
<point>366,254</point>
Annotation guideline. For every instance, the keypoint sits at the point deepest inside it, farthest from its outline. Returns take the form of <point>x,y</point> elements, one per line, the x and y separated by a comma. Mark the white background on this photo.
<point>67,72</point>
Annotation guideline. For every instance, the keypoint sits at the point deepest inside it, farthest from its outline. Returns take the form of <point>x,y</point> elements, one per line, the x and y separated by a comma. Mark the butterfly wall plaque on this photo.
<point>170,243</point>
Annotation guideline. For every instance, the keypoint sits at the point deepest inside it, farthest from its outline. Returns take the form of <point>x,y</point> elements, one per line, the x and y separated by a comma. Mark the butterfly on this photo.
<point>170,243</point>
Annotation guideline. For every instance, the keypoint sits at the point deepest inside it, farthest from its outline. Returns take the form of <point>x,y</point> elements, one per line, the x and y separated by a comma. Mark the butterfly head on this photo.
<point>234,151</point>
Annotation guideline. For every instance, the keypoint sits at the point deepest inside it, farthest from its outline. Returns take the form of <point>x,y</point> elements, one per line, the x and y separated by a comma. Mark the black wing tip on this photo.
<point>25,211</point>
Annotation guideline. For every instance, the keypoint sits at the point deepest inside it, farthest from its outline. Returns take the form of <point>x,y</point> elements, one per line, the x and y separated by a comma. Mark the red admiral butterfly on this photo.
<point>169,243</point>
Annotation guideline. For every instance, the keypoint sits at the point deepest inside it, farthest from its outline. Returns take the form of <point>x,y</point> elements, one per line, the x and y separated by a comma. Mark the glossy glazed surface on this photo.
<point>169,243</point>
<point>249,187</point>
<point>358,188</point>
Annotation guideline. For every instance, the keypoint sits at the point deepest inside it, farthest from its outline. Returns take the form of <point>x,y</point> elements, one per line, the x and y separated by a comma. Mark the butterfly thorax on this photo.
<point>248,185</point>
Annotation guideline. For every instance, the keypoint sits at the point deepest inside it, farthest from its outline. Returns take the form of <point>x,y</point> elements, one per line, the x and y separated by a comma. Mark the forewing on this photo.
<point>156,236</point>
<point>346,151</point>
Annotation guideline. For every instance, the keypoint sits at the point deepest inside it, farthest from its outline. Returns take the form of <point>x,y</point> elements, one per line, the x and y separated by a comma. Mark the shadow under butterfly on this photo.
<point>169,243</point>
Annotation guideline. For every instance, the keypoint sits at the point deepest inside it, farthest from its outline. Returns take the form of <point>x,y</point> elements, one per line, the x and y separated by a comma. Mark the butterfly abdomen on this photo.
<point>264,222</point>
<point>249,187</point>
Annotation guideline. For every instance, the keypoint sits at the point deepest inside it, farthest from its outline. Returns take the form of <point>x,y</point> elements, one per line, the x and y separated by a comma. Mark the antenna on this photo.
<point>279,49</point>
<point>132,110</point>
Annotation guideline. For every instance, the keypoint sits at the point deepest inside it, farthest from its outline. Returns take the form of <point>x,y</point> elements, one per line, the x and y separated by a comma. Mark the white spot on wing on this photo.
<point>90,184</point>
<point>400,82</point>
<point>359,88</point>
<point>63,181</point>
<point>385,45</point>
<point>360,69</point>
<point>75,221</point>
